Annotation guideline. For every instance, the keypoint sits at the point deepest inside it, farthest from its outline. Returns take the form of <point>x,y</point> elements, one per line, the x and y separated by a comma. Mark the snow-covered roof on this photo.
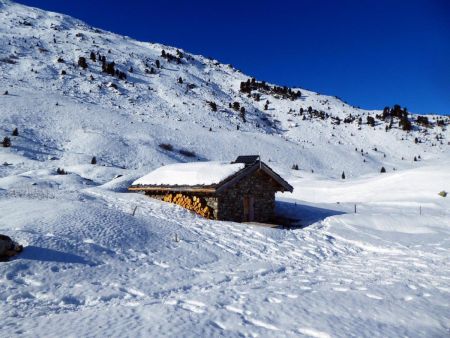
<point>190,174</point>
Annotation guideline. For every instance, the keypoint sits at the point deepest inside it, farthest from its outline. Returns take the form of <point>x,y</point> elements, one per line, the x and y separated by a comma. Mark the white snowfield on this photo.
<point>190,174</point>
<point>102,262</point>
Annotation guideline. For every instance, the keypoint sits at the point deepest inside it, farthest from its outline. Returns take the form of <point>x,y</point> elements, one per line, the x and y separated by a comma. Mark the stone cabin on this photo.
<point>240,191</point>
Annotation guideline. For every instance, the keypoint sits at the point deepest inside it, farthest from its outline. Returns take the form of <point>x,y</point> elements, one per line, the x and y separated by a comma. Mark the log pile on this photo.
<point>194,203</point>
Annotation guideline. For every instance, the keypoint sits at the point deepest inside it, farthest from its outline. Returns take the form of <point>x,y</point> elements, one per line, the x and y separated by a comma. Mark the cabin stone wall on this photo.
<point>258,185</point>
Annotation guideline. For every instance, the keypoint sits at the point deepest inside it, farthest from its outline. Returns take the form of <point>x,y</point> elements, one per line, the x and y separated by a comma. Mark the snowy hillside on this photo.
<point>81,114</point>
<point>92,268</point>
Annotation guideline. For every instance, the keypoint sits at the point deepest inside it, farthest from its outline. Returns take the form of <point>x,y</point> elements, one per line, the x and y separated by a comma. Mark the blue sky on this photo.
<point>368,53</point>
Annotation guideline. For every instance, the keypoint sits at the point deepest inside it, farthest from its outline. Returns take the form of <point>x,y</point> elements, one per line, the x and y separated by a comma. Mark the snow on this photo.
<point>190,174</point>
<point>99,261</point>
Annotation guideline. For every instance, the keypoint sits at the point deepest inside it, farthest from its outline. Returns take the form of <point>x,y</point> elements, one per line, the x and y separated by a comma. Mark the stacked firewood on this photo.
<point>194,203</point>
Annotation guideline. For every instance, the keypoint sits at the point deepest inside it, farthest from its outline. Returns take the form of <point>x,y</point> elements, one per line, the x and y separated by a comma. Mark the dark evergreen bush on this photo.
<point>109,68</point>
<point>61,171</point>
<point>212,105</point>
<point>6,142</point>
<point>242,114</point>
<point>82,62</point>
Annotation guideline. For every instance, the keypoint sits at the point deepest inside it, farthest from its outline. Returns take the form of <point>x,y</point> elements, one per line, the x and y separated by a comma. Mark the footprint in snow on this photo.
<point>262,324</point>
<point>374,296</point>
<point>161,264</point>
<point>192,305</point>
<point>218,325</point>
<point>234,309</point>
<point>274,300</point>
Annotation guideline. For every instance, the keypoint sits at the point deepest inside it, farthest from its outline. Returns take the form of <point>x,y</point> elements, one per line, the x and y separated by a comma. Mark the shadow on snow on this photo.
<point>49,255</point>
<point>294,215</point>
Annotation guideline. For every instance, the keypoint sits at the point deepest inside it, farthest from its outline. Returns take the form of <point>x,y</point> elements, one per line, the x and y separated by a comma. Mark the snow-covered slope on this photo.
<point>78,115</point>
<point>94,265</point>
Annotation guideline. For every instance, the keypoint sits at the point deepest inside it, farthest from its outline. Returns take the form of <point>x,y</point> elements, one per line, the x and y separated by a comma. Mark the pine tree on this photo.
<point>94,160</point>
<point>383,170</point>
<point>213,105</point>
<point>343,176</point>
<point>15,132</point>
<point>158,64</point>
<point>6,142</point>
<point>180,80</point>
<point>93,57</point>
<point>82,62</point>
<point>242,114</point>
<point>109,68</point>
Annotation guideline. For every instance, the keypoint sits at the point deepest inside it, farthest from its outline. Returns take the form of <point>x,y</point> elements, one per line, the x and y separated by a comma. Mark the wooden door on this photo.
<point>249,208</point>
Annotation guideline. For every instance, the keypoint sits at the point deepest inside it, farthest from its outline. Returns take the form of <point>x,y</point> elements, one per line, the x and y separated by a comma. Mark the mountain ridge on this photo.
<point>41,53</point>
